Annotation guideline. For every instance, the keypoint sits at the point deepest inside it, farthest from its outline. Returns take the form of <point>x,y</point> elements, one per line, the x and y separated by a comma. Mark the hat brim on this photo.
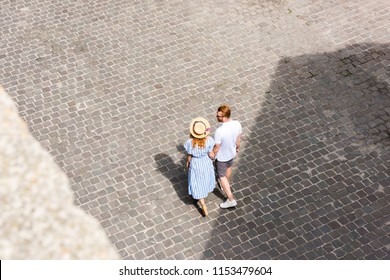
<point>205,122</point>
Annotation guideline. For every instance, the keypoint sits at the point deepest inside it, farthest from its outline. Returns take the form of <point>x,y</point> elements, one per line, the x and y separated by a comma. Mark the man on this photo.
<point>227,142</point>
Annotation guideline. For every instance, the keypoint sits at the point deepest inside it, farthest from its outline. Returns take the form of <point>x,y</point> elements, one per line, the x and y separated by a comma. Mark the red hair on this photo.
<point>200,142</point>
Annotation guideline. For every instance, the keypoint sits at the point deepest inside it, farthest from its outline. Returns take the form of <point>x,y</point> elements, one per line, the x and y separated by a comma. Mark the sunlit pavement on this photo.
<point>109,89</point>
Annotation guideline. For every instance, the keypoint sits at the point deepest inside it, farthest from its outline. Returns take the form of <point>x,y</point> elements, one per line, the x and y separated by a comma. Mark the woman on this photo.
<point>201,177</point>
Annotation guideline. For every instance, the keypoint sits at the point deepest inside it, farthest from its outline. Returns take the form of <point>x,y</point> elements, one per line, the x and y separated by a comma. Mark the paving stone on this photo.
<point>109,87</point>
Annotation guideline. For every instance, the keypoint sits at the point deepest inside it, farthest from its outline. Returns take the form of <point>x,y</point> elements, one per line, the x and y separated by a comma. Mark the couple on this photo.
<point>203,149</point>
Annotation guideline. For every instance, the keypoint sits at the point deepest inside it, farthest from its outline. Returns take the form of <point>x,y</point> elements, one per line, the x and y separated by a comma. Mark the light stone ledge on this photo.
<point>37,215</point>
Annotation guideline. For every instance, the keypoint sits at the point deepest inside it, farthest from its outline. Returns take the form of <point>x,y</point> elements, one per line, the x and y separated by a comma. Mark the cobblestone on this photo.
<point>109,87</point>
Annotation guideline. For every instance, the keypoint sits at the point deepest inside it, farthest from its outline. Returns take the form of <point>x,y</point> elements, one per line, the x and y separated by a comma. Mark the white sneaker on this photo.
<point>228,203</point>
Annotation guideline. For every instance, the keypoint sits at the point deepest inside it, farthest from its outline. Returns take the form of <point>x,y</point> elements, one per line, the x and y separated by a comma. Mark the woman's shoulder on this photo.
<point>188,143</point>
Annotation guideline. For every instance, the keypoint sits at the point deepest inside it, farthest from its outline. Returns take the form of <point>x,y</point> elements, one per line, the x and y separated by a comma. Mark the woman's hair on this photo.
<point>225,109</point>
<point>201,143</point>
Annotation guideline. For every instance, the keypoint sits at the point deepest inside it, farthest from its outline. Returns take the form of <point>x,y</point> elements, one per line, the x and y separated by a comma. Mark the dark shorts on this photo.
<point>222,166</point>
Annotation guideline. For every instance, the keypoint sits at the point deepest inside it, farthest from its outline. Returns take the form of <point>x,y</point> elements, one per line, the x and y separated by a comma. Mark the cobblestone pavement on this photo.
<point>109,88</point>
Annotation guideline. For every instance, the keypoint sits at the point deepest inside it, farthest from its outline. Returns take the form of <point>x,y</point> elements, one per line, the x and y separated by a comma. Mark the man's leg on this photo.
<point>222,168</point>
<point>230,202</point>
<point>226,187</point>
<point>229,173</point>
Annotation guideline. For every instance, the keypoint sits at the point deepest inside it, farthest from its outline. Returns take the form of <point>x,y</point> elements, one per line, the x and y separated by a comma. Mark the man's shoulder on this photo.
<point>236,123</point>
<point>219,132</point>
<point>219,128</point>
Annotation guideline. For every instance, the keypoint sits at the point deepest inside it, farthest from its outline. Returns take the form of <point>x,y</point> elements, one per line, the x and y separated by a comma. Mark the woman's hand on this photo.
<point>189,157</point>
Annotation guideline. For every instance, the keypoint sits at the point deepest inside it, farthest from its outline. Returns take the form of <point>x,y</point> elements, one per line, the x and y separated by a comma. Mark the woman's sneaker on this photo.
<point>228,203</point>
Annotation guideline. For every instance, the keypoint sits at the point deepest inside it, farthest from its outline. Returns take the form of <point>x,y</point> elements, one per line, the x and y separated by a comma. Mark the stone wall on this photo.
<point>37,216</point>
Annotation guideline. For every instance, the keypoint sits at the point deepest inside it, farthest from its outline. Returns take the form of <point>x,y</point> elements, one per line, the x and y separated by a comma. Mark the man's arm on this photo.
<point>238,142</point>
<point>216,149</point>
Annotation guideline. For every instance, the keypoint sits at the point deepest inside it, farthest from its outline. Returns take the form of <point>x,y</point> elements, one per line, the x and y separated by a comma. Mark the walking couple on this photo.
<point>202,150</point>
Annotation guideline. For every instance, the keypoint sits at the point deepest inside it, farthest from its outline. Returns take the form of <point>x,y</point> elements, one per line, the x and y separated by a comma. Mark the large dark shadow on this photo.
<point>175,173</point>
<point>313,179</point>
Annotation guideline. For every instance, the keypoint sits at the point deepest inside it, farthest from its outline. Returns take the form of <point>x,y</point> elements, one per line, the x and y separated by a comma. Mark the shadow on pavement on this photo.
<point>313,179</point>
<point>170,170</point>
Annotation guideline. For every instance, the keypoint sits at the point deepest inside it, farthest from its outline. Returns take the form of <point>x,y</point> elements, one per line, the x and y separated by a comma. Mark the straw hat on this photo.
<point>200,127</point>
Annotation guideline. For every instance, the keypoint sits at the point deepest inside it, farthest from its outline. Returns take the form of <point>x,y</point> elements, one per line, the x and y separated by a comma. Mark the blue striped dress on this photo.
<point>201,176</point>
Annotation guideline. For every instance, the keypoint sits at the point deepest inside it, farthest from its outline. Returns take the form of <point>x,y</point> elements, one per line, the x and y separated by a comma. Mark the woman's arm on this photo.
<point>189,157</point>
<point>212,152</point>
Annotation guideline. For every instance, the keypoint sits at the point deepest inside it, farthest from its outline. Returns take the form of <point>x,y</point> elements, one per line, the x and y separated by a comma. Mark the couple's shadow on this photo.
<point>176,173</point>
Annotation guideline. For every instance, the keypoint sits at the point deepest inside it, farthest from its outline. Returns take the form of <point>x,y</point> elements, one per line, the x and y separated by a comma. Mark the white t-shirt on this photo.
<point>227,135</point>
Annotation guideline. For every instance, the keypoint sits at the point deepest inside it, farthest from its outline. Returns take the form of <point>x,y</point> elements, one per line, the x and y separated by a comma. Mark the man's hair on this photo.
<point>225,109</point>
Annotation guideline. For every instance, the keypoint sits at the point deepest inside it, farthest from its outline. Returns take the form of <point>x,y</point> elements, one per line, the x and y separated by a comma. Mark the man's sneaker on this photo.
<point>228,203</point>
